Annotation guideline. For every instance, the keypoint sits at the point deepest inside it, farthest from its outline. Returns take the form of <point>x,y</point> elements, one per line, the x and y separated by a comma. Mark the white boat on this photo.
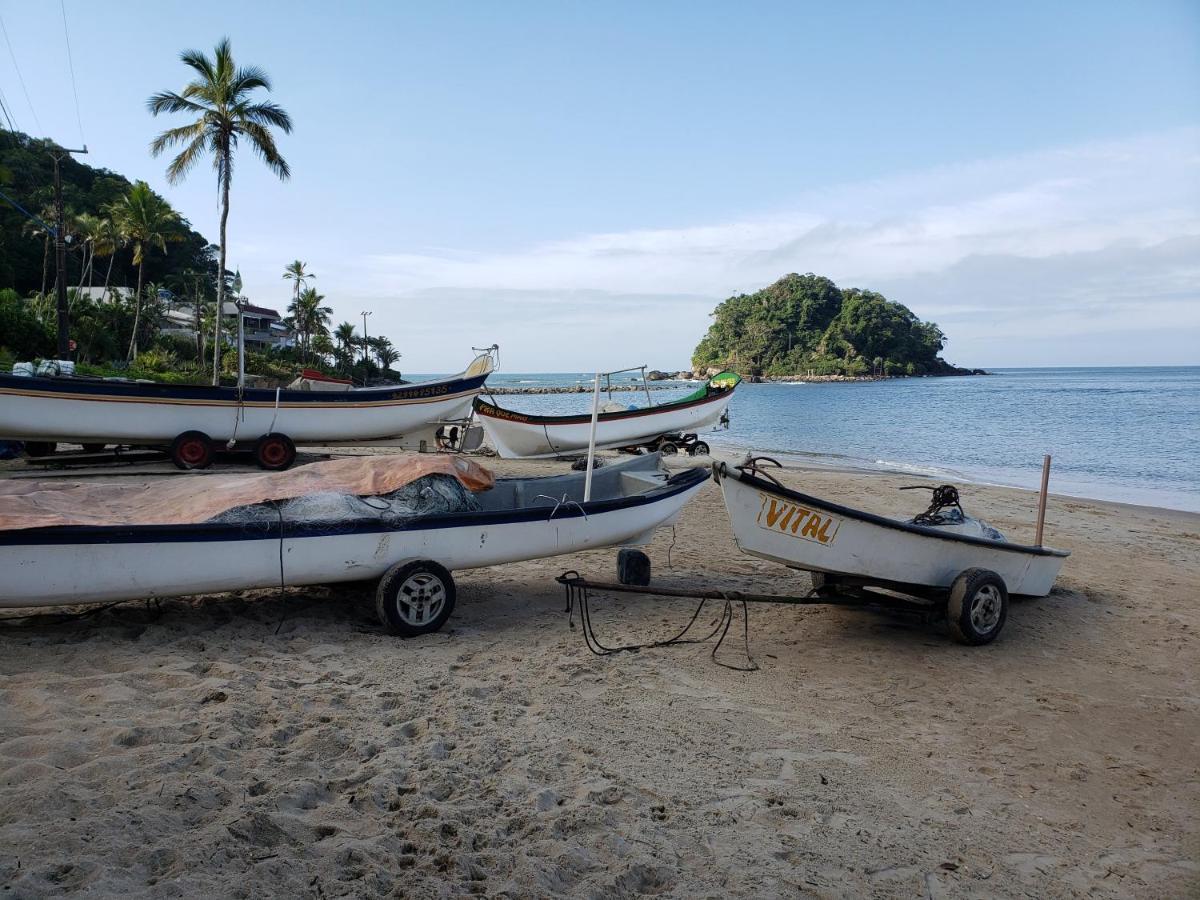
<point>268,545</point>
<point>522,436</point>
<point>97,410</point>
<point>962,562</point>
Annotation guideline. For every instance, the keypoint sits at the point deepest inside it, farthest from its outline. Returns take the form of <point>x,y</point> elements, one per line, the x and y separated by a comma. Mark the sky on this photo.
<point>583,183</point>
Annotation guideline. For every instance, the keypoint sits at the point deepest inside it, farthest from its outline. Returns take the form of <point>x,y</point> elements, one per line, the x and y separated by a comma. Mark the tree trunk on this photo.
<point>137,312</point>
<point>107,275</point>
<point>221,270</point>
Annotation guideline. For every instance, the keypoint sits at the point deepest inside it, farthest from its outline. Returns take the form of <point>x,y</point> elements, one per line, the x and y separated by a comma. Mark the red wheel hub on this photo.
<point>192,451</point>
<point>273,452</point>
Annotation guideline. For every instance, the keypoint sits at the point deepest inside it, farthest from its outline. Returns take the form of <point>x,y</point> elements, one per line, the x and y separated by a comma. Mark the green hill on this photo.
<point>807,325</point>
<point>27,253</point>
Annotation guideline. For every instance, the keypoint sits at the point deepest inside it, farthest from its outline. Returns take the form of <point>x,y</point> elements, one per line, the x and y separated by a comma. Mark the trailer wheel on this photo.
<point>668,448</point>
<point>415,598</point>
<point>192,450</point>
<point>38,449</point>
<point>274,452</point>
<point>699,449</point>
<point>978,606</point>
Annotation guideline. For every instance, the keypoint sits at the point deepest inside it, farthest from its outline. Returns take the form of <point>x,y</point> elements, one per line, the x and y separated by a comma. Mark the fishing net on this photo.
<point>428,495</point>
<point>340,489</point>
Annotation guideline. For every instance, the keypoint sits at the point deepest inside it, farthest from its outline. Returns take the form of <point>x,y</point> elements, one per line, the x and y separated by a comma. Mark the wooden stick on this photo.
<point>1041,518</point>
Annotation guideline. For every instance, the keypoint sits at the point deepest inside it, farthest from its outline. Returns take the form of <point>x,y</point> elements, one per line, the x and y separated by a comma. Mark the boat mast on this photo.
<point>591,458</point>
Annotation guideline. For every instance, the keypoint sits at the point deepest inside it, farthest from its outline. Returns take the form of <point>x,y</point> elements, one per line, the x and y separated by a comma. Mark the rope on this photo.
<point>565,501</point>
<point>577,594</point>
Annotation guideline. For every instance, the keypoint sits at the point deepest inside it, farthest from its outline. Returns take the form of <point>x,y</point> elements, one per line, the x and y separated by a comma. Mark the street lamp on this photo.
<point>364,315</point>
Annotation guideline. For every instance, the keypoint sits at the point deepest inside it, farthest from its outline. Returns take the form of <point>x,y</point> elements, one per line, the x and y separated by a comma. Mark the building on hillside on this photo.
<point>264,328</point>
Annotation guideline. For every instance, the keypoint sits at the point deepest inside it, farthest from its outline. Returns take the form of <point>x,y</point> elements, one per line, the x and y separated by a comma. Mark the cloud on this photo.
<point>1082,243</point>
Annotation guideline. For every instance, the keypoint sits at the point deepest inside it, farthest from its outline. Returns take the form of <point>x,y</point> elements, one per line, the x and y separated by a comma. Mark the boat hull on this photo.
<point>805,532</point>
<point>519,436</point>
<point>68,565</point>
<point>56,409</point>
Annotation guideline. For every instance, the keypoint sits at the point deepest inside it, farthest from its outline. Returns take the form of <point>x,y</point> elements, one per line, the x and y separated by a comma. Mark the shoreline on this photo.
<point>842,465</point>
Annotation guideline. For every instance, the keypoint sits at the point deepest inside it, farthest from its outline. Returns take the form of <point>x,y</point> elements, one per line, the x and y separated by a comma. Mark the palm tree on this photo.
<point>147,220</point>
<point>220,98</point>
<point>309,317</point>
<point>107,240</point>
<point>346,339</point>
<point>322,346</point>
<point>294,272</point>
<point>385,352</point>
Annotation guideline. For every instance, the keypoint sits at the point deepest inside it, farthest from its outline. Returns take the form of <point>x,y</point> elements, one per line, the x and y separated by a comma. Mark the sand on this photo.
<point>237,745</point>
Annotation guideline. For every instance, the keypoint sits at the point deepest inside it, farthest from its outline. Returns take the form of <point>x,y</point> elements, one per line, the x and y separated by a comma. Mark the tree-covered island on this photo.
<point>805,325</point>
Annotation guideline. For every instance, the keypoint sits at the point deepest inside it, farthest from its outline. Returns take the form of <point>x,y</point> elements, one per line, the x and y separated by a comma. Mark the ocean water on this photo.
<point>1124,434</point>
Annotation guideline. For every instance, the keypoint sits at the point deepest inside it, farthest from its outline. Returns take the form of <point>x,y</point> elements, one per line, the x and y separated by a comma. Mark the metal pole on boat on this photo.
<point>646,388</point>
<point>587,480</point>
<point>238,304</point>
<point>1041,518</point>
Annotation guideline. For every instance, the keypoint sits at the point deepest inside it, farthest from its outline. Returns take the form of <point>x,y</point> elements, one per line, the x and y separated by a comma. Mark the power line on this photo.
<point>21,78</point>
<point>4,110</point>
<point>71,66</point>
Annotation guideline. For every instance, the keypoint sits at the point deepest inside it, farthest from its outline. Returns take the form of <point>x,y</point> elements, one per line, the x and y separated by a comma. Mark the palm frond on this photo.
<point>200,62</point>
<point>264,145</point>
<point>187,158</point>
<point>268,114</point>
<point>173,136</point>
<point>170,102</point>
<point>249,78</point>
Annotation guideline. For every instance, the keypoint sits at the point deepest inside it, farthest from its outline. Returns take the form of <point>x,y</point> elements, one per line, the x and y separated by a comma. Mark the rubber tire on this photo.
<point>185,452</point>
<point>824,581</point>
<point>387,605</point>
<point>93,448</point>
<point>700,448</point>
<point>274,452</point>
<point>668,448</point>
<point>633,567</point>
<point>958,607</point>
<point>39,449</point>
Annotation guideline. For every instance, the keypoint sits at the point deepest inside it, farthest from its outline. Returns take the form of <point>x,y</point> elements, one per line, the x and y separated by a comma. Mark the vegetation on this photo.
<point>145,220</point>
<point>26,246</point>
<point>221,100</point>
<point>150,258</point>
<point>807,325</point>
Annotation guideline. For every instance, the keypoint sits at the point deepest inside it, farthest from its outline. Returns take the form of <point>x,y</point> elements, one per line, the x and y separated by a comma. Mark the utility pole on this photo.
<point>365,345</point>
<point>60,252</point>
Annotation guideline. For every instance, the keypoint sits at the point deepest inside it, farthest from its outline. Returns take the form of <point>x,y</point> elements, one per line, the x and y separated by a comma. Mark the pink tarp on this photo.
<point>188,500</point>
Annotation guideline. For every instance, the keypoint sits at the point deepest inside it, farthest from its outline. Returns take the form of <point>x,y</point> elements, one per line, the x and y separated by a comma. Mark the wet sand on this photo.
<point>244,746</point>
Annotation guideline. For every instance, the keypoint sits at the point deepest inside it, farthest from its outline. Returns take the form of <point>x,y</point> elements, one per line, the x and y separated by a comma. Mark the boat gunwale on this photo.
<point>82,535</point>
<point>721,470</point>
<point>484,408</point>
<point>92,390</point>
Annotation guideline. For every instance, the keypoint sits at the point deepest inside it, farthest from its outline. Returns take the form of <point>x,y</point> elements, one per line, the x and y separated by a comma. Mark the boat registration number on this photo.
<point>795,520</point>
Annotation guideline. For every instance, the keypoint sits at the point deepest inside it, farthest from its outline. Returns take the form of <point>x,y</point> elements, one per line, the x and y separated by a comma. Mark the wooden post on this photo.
<point>1041,517</point>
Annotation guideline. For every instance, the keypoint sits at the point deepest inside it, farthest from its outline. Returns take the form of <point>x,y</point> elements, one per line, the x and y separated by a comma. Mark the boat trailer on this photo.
<point>927,607</point>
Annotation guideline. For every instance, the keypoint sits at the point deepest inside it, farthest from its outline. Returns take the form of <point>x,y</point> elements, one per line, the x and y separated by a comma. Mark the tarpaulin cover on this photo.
<point>186,500</point>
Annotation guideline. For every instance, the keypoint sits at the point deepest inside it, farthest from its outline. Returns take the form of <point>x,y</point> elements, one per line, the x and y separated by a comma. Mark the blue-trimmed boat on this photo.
<point>100,410</point>
<point>412,554</point>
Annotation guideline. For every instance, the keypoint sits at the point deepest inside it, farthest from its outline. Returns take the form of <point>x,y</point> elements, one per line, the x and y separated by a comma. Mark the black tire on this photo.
<point>274,452</point>
<point>978,607</point>
<point>699,449</point>
<point>38,449</point>
<point>667,448</point>
<point>415,598</point>
<point>192,450</point>
<point>633,567</point>
<point>93,448</point>
<point>822,581</point>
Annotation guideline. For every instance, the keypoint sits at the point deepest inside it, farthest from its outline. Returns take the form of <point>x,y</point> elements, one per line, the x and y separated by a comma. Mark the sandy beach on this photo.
<point>244,746</point>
